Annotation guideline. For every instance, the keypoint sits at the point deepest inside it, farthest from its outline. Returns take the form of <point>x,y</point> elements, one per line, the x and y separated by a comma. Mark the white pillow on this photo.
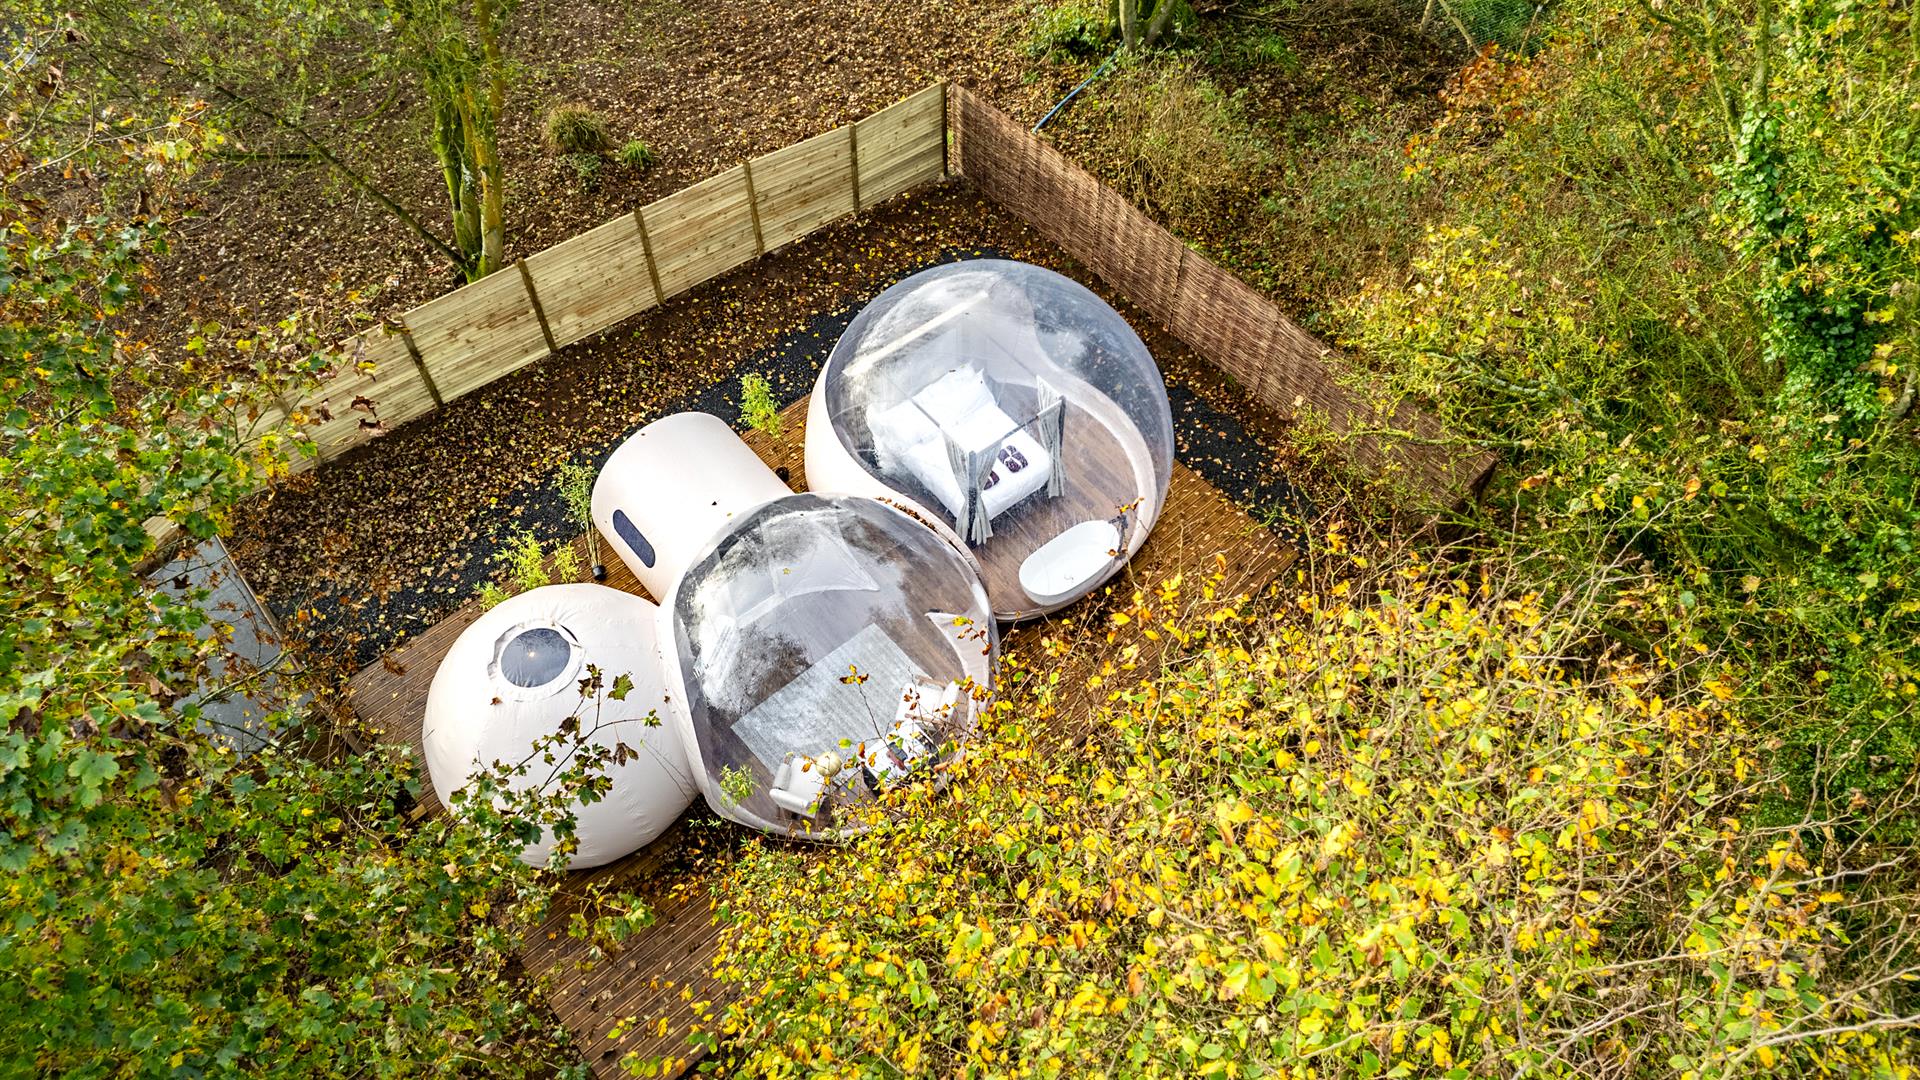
<point>953,397</point>
<point>897,430</point>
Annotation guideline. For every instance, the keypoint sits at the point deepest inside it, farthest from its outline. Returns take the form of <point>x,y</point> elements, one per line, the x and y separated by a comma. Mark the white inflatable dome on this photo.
<point>513,677</point>
<point>827,647</point>
<point>1012,407</point>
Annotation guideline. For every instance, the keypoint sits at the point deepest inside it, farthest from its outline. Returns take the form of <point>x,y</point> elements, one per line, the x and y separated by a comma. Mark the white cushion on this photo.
<point>1011,487</point>
<point>899,426</point>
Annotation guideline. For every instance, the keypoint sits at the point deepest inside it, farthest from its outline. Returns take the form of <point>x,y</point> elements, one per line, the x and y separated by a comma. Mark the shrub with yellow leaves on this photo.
<point>1425,834</point>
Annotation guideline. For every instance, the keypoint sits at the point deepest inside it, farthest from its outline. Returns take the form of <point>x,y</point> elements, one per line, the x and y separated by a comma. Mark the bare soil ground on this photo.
<point>705,86</point>
<point>709,85</point>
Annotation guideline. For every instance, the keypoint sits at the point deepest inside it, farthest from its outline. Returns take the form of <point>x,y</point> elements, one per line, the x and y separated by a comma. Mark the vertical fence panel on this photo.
<point>703,231</point>
<point>477,333</point>
<point>804,186</point>
<point>594,280</point>
<point>902,145</point>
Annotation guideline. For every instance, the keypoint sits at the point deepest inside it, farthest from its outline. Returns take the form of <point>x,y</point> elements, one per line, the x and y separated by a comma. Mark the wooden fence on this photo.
<point>1225,320</point>
<point>473,335</point>
<point>501,323</point>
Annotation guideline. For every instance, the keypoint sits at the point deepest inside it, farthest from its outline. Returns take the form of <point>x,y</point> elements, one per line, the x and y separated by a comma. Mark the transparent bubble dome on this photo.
<point>1017,408</point>
<point>830,648</point>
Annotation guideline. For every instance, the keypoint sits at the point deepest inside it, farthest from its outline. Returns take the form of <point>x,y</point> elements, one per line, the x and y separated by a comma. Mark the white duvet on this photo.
<point>959,406</point>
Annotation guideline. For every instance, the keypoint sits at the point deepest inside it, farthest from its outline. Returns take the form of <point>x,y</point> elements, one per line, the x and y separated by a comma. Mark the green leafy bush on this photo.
<point>1076,30</point>
<point>573,129</point>
<point>635,154</point>
<point>758,406</point>
<point>1429,834</point>
<point>172,907</point>
<point>530,565</point>
<point>576,488</point>
<point>1686,319</point>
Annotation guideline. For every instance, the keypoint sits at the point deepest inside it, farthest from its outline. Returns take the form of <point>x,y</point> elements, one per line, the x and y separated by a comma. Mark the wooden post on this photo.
<point>646,248</point>
<point>853,159</point>
<point>526,278</point>
<point>420,363</point>
<point>1179,282</point>
<point>946,129</point>
<point>753,208</point>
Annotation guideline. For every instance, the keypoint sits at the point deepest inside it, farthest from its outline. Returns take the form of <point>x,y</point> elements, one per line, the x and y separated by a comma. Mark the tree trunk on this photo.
<point>493,186</point>
<point>450,146</point>
<point>1162,16</point>
<point>1129,23</point>
<point>482,189</point>
<point>492,203</point>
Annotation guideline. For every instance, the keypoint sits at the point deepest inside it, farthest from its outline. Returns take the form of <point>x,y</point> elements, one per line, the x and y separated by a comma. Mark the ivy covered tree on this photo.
<point>455,50</point>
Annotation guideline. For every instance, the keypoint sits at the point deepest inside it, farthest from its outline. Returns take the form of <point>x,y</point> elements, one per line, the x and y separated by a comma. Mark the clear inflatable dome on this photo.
<point>1012,407</point>
<point>829,647</point>
<point>514,677</point>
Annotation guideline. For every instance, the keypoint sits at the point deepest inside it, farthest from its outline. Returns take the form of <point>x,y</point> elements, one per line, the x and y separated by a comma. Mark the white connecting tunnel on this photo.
<point>666,491</point>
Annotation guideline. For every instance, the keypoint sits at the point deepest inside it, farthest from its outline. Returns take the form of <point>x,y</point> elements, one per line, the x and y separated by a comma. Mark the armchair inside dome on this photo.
<point>828,647</point>
<point>1013,406</point>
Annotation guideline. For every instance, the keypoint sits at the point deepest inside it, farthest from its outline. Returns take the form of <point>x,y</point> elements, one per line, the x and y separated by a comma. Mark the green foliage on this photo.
<point>635,154</point>
<point>586,169</point>
<point>757,405</point>
<point>1075,30</point>
<point>526,562</point>
<point>1399,837</point>
<point>1673,286</point>
<point>737,783</point>
<point>531,565</point>
<point>1272,48</point>
<point>576,487</point>
<point>565,562</point>
<point>1509,25</point>
<point>171,908</point>
<point>573,129</point>
<point>1190,152</point>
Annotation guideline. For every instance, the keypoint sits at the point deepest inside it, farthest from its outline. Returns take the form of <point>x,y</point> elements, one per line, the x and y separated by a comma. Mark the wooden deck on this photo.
<point>657,976</point>
<point>1102,485</point>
